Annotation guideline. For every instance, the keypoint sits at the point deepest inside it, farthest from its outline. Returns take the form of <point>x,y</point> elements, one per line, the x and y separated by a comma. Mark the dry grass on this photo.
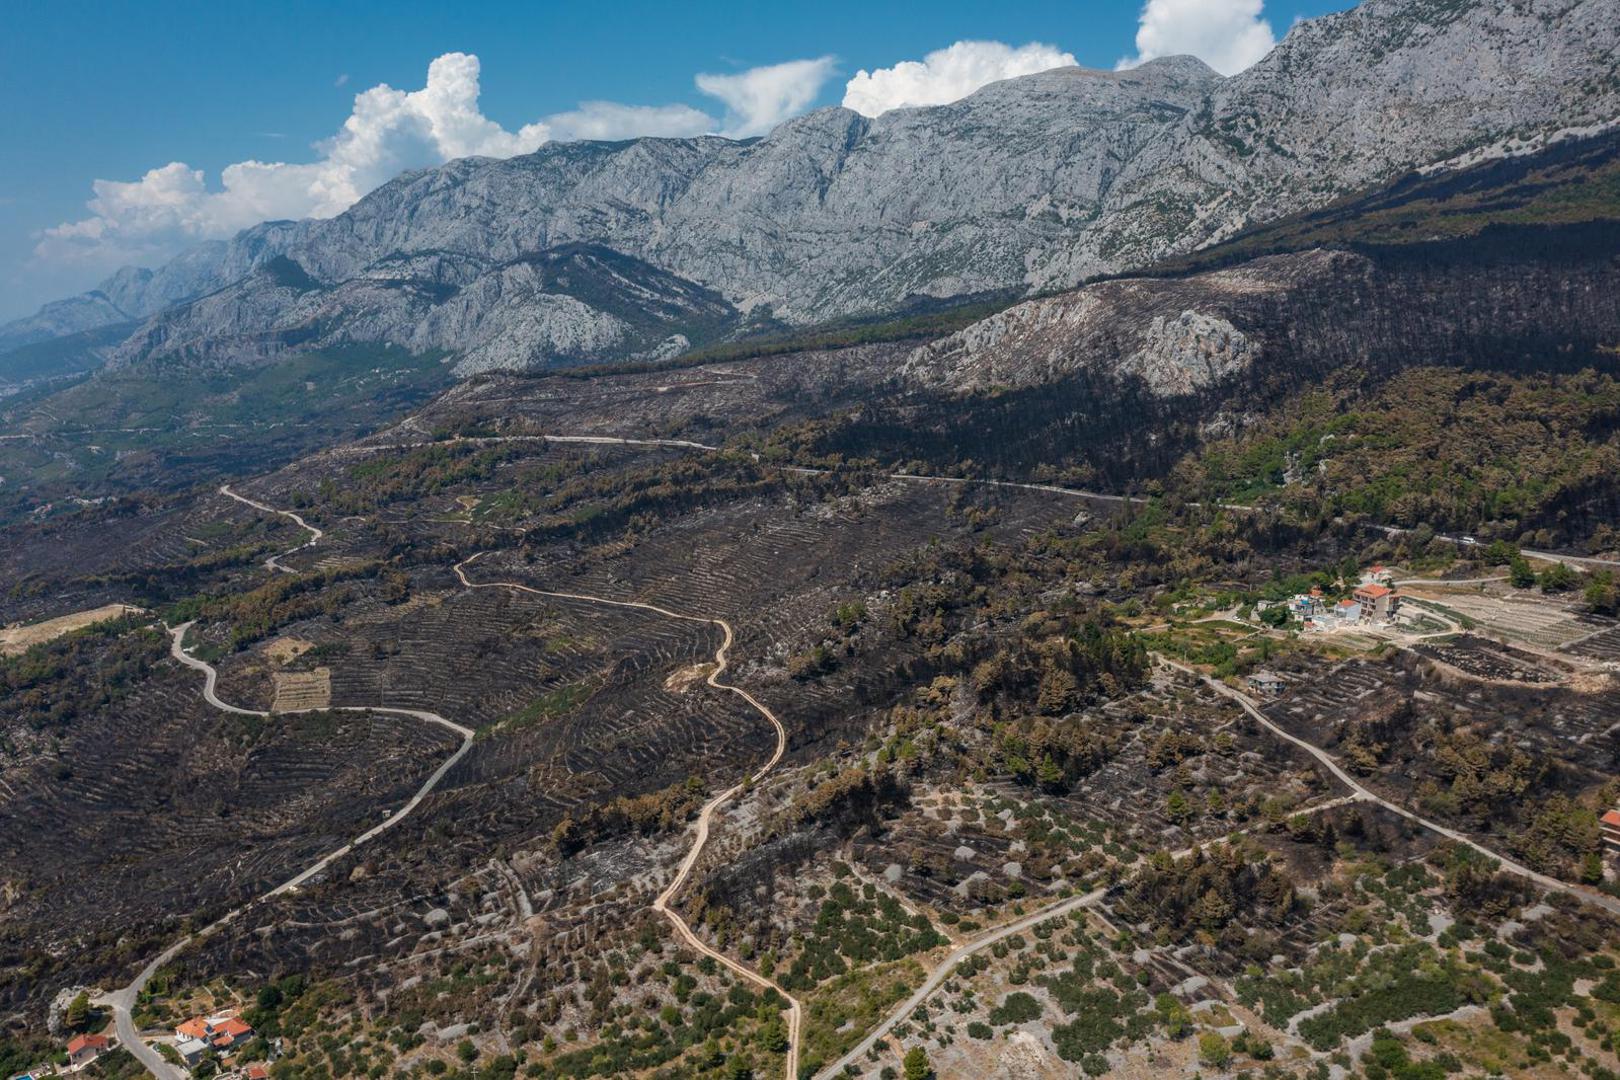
<point>284,650</point>
<point>302,689</point>
<point>19,639</point>
<point>683,679</point>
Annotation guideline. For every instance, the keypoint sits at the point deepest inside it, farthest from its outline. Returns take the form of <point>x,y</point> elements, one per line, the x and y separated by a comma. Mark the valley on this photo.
<point>1112,573</point>
<point>576,570</point>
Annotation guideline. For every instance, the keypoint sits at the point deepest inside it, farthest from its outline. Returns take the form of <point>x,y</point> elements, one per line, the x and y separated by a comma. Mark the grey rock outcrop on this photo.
<point>1178,336</point>
<point>1292,318</point>
<point>60,318</point>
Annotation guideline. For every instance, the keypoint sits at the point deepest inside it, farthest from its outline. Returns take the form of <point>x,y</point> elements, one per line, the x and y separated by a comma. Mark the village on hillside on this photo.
<point>210,1046</point>
<point>1493,621</point>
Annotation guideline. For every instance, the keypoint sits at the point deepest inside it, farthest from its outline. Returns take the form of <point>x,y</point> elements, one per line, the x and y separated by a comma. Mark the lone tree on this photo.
<point>1214,1050</point>
<point>917,1066</point>
<point>1520,573</point>
<point>1602,594</point>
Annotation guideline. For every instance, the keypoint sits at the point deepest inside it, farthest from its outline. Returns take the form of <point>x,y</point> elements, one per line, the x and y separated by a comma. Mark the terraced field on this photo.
<point>978,759</point>
<point>1601,642</point>
<point>1534,619</point>
<point>197,813</point>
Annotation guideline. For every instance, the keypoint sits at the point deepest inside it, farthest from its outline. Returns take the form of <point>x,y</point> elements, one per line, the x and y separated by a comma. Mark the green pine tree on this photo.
<point>917,1066</point>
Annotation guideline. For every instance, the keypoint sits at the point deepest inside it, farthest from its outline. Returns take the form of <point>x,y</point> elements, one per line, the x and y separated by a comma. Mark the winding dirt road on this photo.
<point>274,561</point>
<point>705,818</point>
<point>122,1001</point>
<point>1358,793</point>
<point>943,969</point>
<point>661,905</point>
<point>1591,896</point>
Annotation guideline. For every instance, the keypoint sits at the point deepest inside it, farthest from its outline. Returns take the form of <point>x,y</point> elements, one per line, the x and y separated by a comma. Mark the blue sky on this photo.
<point>111,90</point>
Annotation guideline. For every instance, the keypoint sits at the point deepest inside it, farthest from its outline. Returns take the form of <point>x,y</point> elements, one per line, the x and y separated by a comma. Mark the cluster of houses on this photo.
<point>193,1040</point>
<point>1374,599</point>
<point>201,1034</point>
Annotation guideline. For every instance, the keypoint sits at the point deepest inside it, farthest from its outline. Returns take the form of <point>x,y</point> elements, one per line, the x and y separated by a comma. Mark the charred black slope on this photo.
<point>1520,272</point>
<point>1123,404</point>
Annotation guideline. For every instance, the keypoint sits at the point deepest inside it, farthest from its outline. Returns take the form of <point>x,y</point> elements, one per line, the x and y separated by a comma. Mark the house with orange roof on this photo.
<point>195,1028</point>
<point>1610,824</point>
<point>229,1032</point>
<point>83,1049</point>
<point>1377,600</point>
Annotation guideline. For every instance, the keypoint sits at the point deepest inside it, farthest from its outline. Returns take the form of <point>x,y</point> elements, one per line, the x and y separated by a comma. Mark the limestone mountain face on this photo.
<point>62,318</point>
<point>564,305</point>
<point>134,293</point>
<point>1035,183</point>
<point>1346,102</point>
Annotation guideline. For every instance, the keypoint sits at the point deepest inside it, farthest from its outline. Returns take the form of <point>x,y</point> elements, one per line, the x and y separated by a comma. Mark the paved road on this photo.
<point>274,561</point>
<point>662,903</point>
<point>492,440</point>
<point>122,1001</point>
<point>687,444</point>
<point>1577,561</point>
<point>1591,896</point>
<point>1050,489</point>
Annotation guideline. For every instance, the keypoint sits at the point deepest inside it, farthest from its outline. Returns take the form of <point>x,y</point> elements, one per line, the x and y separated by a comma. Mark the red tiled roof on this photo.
<point>1374,591</point>
<point>195,1028</point>
<point>81,1042</point>
<point>1611,817</point>
<point>233,1027</point>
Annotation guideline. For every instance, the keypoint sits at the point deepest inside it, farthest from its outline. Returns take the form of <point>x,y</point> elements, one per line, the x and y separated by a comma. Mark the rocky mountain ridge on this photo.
<point>136,293</point>
<point>1031,184</point>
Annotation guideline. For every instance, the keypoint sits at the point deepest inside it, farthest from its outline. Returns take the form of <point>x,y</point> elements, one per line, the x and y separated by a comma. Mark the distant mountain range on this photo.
<point>587,252</point>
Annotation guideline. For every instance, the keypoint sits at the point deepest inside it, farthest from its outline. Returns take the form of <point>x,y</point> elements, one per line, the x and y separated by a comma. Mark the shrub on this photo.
<point>1214,1050</point>
<point>1016,1008</point>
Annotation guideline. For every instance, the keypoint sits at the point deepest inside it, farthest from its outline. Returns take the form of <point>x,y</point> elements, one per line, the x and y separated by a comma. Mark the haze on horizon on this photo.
<point>193,169</point>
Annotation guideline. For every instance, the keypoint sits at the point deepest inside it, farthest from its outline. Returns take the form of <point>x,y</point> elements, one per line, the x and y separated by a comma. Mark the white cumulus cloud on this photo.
<point>609,120</point>
<point>387,132</point>
<point>948,75</point>
<point>1228,35</point>
<point>760,98</point>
